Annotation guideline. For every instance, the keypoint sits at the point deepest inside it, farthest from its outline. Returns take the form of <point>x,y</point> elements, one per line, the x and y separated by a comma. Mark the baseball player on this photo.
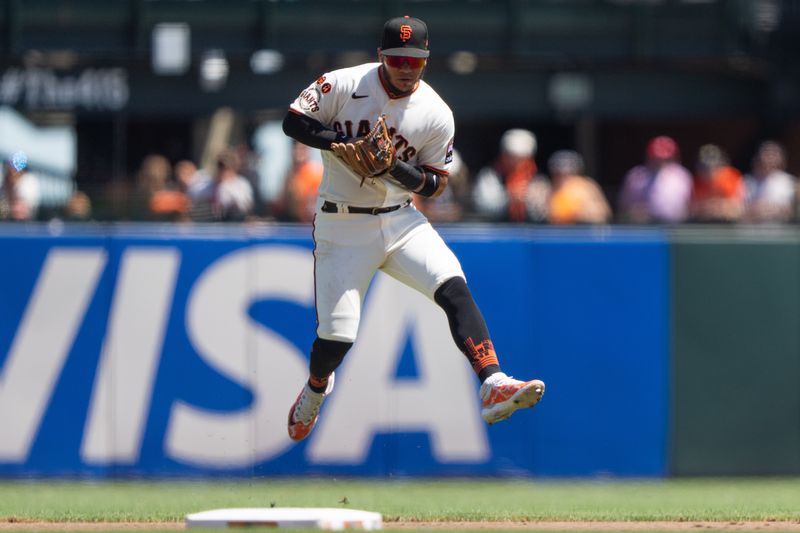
<point>384,134</point>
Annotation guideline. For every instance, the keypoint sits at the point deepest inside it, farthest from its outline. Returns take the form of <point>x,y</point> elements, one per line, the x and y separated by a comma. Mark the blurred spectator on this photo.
<point>718,194</point>
<point>460,182</point>
<point>152,175</point>
<point>157,195</point>
<point>78,207</point>
<point>169,204</point>
<point>301,186</point>
<point>770,191</point>
<point>501,191</point>
<point>185,173</point>
<point>249,162</point>
<point>19,194</point>
<point>658,191</point>
<point>576,199</point>
<point>450,205</point>
<point>224,196</point>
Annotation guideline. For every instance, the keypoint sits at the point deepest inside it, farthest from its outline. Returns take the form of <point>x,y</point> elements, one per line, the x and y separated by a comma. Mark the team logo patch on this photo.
<point>321,80</point>
<point>309,100</point>
<point>405,32</point>
<point>326,88</point>
<point>448,158</point>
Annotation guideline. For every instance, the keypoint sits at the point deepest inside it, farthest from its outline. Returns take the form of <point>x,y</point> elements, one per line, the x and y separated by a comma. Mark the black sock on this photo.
<point>326,356</point>
<point>467,326</point>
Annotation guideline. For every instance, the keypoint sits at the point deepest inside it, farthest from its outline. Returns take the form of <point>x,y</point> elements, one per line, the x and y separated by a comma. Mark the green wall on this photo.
<point>736,352</point>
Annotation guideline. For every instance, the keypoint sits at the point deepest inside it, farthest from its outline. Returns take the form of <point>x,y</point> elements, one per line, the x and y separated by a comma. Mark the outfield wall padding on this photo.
<point>177,351</point>
<point>736,357</point>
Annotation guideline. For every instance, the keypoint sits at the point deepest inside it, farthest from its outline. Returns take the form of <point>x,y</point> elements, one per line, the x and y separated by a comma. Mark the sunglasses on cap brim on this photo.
<point>400,61</point>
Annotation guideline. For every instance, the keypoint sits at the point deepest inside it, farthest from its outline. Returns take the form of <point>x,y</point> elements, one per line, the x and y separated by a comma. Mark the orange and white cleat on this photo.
<point>305,410</point>
<point>504,395</point>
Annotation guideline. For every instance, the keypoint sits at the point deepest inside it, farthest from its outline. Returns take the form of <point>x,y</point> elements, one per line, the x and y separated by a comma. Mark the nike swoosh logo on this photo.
<point>357,96</point>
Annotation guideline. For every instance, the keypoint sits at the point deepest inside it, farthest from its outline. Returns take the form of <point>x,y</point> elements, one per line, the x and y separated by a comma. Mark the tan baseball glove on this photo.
<point>371,155</point>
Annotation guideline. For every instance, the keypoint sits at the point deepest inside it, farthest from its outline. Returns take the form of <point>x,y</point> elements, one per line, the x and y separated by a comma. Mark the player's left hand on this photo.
<point>369,156</point>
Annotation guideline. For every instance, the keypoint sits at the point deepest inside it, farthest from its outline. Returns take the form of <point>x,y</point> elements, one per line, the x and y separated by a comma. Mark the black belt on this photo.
<point>331,207</point>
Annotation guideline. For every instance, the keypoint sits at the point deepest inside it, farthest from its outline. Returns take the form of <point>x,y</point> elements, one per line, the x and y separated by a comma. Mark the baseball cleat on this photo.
<point>305,410</point>
<point>506,395</point>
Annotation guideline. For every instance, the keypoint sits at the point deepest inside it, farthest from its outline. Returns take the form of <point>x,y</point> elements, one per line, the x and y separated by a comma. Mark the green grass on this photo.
<point>690,500</point>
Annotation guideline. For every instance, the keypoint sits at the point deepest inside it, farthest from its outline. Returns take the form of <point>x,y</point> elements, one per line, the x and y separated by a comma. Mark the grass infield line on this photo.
<point>407,525</point>
<point>767,504</point>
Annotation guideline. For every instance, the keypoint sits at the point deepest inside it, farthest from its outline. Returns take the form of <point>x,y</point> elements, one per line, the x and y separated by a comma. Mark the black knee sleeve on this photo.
<point>326,356</point>
<point>466,320</point>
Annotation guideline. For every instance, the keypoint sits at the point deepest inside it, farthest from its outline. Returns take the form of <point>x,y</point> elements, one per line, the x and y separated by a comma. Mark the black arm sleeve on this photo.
<point>409,177</point>
<point>415,179</point>
<point>310,132</point>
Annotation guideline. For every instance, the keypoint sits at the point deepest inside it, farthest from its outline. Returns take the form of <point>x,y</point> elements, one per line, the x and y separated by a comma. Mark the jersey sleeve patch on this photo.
<point>309,99</point>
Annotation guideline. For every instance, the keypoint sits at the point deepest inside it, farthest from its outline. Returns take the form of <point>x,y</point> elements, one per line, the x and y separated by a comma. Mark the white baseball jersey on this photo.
<point>350,100</point>
<point>349,248</point>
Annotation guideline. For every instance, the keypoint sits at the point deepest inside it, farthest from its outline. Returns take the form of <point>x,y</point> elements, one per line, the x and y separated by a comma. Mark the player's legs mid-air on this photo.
<point>501,395</point>
<point>420,259</point>
<point>325,357</point>
<point>347,253</point>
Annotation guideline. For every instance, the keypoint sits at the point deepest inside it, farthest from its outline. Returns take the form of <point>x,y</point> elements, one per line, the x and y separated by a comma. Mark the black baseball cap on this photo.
<point>405,36</point>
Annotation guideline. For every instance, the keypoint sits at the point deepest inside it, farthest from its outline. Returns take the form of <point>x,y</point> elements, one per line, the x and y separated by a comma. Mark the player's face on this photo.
<point>404,72</point>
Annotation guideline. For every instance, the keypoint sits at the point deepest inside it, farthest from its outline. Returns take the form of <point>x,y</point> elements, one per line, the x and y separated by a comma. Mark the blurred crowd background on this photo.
<point>567,112</point>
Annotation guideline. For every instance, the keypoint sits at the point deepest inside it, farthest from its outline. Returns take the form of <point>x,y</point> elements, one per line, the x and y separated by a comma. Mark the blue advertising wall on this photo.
<point>167,351</point>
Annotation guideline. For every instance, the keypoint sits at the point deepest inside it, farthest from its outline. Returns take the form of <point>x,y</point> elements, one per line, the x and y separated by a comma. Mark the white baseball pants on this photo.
<point>350,248</point>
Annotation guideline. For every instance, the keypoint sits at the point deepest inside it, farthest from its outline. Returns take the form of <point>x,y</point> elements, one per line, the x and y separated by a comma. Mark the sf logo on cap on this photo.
<point>405,32</point>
